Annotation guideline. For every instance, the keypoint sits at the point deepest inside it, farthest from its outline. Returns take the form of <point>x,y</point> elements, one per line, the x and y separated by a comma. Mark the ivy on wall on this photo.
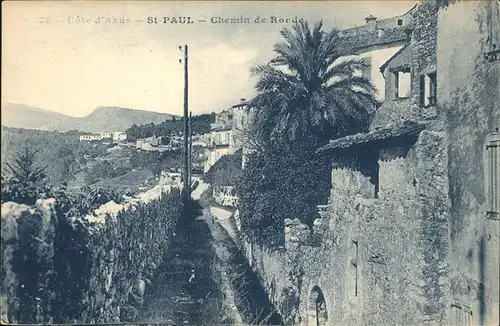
<point>284,180</point>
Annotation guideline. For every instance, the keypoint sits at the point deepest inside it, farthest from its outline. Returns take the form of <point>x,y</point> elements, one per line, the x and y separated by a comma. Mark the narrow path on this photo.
<point>175,297</point>
<point>172,299</point>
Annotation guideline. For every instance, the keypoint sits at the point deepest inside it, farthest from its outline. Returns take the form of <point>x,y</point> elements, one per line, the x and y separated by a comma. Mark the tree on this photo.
<point>309,93</point>
<point>24,168</point>
<point>22,180</point>
<point>311,87</point>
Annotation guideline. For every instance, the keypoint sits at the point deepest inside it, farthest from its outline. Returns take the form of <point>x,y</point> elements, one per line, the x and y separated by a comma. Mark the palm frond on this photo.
<point>316,90</point>
<point>354,83</point>
<point>346,68</point>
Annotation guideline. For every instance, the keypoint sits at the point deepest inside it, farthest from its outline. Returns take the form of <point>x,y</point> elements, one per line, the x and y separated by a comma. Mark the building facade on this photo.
<point>91,137</point>
<point>410,235</point>
<point>226,135</point>
<point>219,144</point>
<point>376,41</point>
<point>115,136</point>
<point>119,136</point>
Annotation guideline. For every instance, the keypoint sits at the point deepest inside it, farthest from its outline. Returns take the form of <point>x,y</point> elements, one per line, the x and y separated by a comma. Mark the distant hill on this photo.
<point>102,119</point>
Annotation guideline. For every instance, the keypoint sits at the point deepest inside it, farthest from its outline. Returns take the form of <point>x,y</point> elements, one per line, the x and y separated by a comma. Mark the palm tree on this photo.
<point>312,88</point>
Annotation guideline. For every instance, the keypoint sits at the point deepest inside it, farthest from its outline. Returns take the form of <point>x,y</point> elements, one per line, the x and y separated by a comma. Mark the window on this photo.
<point>402,83</point>
<point>354,268</point>
<point>428,89</point>
<point>493,41</point>
<point>380,32</point>
<point>493,174</point>
<point>400,22</point>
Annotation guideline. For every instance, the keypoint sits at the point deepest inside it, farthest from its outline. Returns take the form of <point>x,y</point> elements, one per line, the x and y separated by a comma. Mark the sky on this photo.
<point>57,56</point>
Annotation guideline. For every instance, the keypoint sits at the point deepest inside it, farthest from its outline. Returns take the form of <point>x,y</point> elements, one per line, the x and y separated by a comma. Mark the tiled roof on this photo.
<point>364,40</point>
<point>405,129</point>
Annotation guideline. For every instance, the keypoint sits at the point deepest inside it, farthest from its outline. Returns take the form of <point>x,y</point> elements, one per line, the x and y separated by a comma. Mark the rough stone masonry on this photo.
<point>407,237</point>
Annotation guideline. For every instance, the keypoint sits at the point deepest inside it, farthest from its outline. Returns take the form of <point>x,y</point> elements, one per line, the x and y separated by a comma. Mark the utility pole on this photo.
<point>186,186</point>
<point>190,149</point>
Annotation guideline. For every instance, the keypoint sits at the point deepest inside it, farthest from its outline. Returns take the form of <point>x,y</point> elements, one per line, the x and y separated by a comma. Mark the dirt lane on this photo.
<point>172,298</point>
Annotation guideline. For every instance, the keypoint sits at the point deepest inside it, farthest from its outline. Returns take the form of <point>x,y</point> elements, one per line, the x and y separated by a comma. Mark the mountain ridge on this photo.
<point>101,119</point>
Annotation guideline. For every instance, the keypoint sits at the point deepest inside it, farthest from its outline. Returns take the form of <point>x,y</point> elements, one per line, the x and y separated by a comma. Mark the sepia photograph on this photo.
<point>308,163</point>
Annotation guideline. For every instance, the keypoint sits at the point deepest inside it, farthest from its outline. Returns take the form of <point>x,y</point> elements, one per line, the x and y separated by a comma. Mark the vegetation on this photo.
<point>62,153</point>
<point>24,182</point>
<point>309,93</point>
<point>226,171</point>
<point>24,166</point>
<point>200,125</point>
<point>58,259</point>
<point>282,181</point>
<point>69,161</point>
<point>311,87</point>
<point>103,170</point>
<point>156,161</point>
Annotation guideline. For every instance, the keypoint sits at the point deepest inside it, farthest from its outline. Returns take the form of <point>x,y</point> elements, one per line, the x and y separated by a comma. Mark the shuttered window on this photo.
<point>422,91</point>
<point>493,174</point>
<point>428,89</point>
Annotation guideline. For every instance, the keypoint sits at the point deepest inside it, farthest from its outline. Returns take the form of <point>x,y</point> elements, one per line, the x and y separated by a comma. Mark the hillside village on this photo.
<point>224,137</point>
<point>392,219</point>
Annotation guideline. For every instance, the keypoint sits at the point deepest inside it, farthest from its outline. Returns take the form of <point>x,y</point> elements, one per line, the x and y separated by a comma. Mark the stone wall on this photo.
<point>419,54</point>
<point>423,53</point>
<point>425,252</point>
<point>391,112</point>
<point>468,97</point>
<point>397,242</point>
<point>93,269</point>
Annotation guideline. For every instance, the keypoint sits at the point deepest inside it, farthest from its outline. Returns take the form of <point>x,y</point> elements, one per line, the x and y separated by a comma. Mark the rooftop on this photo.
<point>406,129</point>
<point>243,102</point>
<point>382,68</point>
<point>366,37</point>
<point>221,128</point>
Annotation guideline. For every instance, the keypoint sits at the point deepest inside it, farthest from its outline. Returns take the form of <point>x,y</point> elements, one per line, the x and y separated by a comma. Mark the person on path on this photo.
<point>192,276</point>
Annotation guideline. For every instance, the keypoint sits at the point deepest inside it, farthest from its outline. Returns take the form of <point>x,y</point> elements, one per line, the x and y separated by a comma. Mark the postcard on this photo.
<point>250,162</point>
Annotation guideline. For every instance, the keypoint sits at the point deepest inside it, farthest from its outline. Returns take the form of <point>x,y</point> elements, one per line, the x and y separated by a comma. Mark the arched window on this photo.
<point>317,314</point>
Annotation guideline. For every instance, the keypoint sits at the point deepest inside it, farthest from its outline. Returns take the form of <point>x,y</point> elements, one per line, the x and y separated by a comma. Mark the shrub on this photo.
<point>59,259</point>
<point>284,180</point>
<point>104,170</point>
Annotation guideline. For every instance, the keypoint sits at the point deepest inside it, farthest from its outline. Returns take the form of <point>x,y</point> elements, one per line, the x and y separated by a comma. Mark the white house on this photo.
<point>219,144</point>
<point>106,135</point>
<point>90,137</point>
<point>119,136</point>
